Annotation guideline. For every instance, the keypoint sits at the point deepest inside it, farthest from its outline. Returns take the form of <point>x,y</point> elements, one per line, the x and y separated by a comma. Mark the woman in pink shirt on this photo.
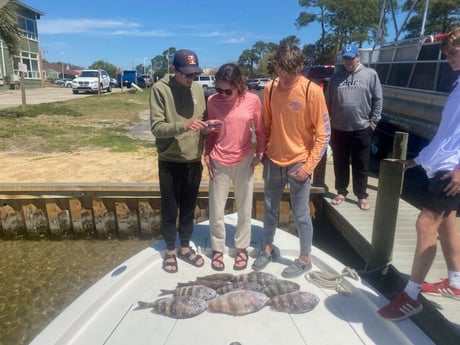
<point>230,158</point>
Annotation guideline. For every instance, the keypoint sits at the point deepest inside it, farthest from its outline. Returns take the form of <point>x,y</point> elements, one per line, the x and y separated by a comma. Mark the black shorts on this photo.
<point>436,199</point>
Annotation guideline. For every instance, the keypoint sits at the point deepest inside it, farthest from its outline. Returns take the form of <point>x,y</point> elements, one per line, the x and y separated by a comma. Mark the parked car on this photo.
<point>262,83</point>
<point>66,82</point>
<point>148,80</point>
<point>113,82</point>
<point>89,79</point>
<point>131,77</point>
<point>320,74</point>
<point>207,81</point>
<point>257,84</point>
<point>252,83</point>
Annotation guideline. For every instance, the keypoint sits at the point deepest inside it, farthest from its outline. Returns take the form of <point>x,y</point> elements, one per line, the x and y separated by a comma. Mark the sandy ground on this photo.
<point>84,166</point>
<point>88,166</point>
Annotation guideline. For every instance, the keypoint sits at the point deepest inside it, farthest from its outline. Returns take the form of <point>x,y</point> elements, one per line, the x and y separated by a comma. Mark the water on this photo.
<point>40,278</point>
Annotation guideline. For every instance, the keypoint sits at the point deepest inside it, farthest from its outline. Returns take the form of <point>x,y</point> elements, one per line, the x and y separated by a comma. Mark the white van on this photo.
<point>207,81</point>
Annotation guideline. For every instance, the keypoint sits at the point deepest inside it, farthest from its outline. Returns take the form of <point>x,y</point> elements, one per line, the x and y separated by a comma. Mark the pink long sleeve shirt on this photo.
<point>242,118</point>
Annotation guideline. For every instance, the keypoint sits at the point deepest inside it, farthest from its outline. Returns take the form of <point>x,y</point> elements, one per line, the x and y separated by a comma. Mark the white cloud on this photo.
<point>235,40</point>
<point>152,33</point>
<point>64,26</point>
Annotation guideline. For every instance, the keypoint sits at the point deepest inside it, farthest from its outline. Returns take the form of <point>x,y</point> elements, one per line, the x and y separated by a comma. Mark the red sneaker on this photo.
<point>441,288</point>
<point>401,307</point>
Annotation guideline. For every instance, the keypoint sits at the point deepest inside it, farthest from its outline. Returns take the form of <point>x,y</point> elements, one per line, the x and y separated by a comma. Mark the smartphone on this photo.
<point>215,124</point>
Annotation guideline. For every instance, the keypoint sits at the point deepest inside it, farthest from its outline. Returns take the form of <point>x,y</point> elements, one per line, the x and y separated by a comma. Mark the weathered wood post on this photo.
<point>386,212</point>
<point>400,141</point>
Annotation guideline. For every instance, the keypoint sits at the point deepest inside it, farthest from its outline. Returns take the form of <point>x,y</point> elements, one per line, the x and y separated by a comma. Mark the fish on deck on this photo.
<point>199,291</point>
<point>217,276</point>
<point>238,302</point>
<point>281,287</point>
<point>212,281</point>
<point>182,307</point>
<point>239,286</point>
<point>262,278</point>
<point>297,302</point>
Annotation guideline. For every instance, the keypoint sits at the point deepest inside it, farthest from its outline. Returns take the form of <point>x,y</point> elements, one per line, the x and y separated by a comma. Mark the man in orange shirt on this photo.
<point>297,129</point>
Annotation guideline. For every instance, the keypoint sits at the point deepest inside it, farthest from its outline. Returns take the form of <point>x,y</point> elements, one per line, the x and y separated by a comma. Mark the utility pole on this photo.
<point>62,65</point>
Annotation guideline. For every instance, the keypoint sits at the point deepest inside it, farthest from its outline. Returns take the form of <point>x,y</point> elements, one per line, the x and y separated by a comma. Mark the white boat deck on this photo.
<point>105,313</point>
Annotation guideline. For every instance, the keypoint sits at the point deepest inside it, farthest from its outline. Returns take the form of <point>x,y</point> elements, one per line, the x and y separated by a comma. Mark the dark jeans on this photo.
<point>179,185</point>
<point>354,147</point>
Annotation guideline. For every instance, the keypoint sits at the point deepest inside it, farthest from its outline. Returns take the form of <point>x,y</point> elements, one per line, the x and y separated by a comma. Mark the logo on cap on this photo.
<point>191,60</point>
<point>350,50</point>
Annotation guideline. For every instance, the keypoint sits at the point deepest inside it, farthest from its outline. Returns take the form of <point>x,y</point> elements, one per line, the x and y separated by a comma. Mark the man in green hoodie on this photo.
<point>177,109</point>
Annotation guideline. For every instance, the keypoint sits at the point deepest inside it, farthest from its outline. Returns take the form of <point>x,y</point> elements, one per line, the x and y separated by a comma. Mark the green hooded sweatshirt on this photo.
<point>171,105</point>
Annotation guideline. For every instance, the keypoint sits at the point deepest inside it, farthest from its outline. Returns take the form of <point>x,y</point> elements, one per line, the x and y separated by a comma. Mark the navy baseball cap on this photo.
<point>186,62</point>
<point>350,50</point>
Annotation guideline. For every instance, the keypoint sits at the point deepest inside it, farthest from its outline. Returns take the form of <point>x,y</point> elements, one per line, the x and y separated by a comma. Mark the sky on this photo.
<point>128,33</point>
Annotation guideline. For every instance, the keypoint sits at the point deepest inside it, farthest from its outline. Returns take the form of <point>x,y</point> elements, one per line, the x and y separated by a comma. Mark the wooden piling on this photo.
<point>400,141</point>
<point>386,212</point>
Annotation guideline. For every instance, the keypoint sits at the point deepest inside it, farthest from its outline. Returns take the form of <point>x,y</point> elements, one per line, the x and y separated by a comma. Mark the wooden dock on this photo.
<point>441,317</point>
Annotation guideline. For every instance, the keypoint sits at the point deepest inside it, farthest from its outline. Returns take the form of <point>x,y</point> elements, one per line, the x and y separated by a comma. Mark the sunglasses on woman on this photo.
<point>228,92</point>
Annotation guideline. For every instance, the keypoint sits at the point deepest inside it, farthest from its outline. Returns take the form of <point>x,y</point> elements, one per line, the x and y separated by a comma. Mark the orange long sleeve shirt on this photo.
<point>297,127</point>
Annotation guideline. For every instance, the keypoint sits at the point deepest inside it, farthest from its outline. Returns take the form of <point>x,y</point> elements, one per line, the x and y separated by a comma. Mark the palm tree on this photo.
<point>9,29</point>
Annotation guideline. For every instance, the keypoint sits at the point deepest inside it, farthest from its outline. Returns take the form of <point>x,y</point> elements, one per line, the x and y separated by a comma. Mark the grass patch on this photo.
<point>50,109</point>
<point>98,121</point>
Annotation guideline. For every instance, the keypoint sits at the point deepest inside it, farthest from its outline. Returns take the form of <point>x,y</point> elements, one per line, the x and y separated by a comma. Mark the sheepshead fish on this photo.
<point>261,278</point>
<point>238,302</point>
<point>216,276</point>
<point>281,287</point>
<point>199,291</point>
<point>183,307</point>
<point>239,286</point>
<point>212,280</point>
<point>213,284</point>
<point>297,302</point>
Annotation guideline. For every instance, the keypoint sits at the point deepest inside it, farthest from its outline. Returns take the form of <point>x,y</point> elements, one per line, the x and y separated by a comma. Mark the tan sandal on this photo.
<point>339,198</point>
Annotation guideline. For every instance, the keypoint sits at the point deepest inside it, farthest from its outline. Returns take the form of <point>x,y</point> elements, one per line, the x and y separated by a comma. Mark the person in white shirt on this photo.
<point>441,162</point>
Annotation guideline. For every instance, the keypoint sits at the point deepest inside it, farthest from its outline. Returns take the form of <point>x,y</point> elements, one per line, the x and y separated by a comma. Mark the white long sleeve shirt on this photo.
<point>443,152</point>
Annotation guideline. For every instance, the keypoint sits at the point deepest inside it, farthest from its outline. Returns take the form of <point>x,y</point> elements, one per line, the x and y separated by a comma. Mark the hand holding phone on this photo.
<point>215,123</point>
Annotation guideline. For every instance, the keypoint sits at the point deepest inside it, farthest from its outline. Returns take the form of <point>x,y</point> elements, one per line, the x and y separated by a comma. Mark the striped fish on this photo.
<point>238,302</point>
<point>297,302</point>
<point>261,278</point>
<point>239,286</point>
<point>176,307</point>
<point>199,291</point>
<point>213,284</point>
<point>216,276</point>
<point>281,287</point>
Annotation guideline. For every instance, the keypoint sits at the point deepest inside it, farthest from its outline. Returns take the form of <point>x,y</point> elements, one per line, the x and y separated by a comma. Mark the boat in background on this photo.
<point>416,80</point>
<point>105,313</point>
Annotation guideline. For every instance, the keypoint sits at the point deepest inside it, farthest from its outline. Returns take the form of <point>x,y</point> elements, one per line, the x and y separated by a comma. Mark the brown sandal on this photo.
<point>241,258</point>
<point>191,257</point>
<point>217,258</point>
<point>170,263</point>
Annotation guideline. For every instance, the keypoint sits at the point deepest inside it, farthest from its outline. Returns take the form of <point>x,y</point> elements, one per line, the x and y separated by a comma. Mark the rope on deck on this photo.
<point>332,281</point>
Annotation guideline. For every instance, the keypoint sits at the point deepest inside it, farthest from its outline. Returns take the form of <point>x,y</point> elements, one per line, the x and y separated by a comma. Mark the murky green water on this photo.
<point>39,279</point>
